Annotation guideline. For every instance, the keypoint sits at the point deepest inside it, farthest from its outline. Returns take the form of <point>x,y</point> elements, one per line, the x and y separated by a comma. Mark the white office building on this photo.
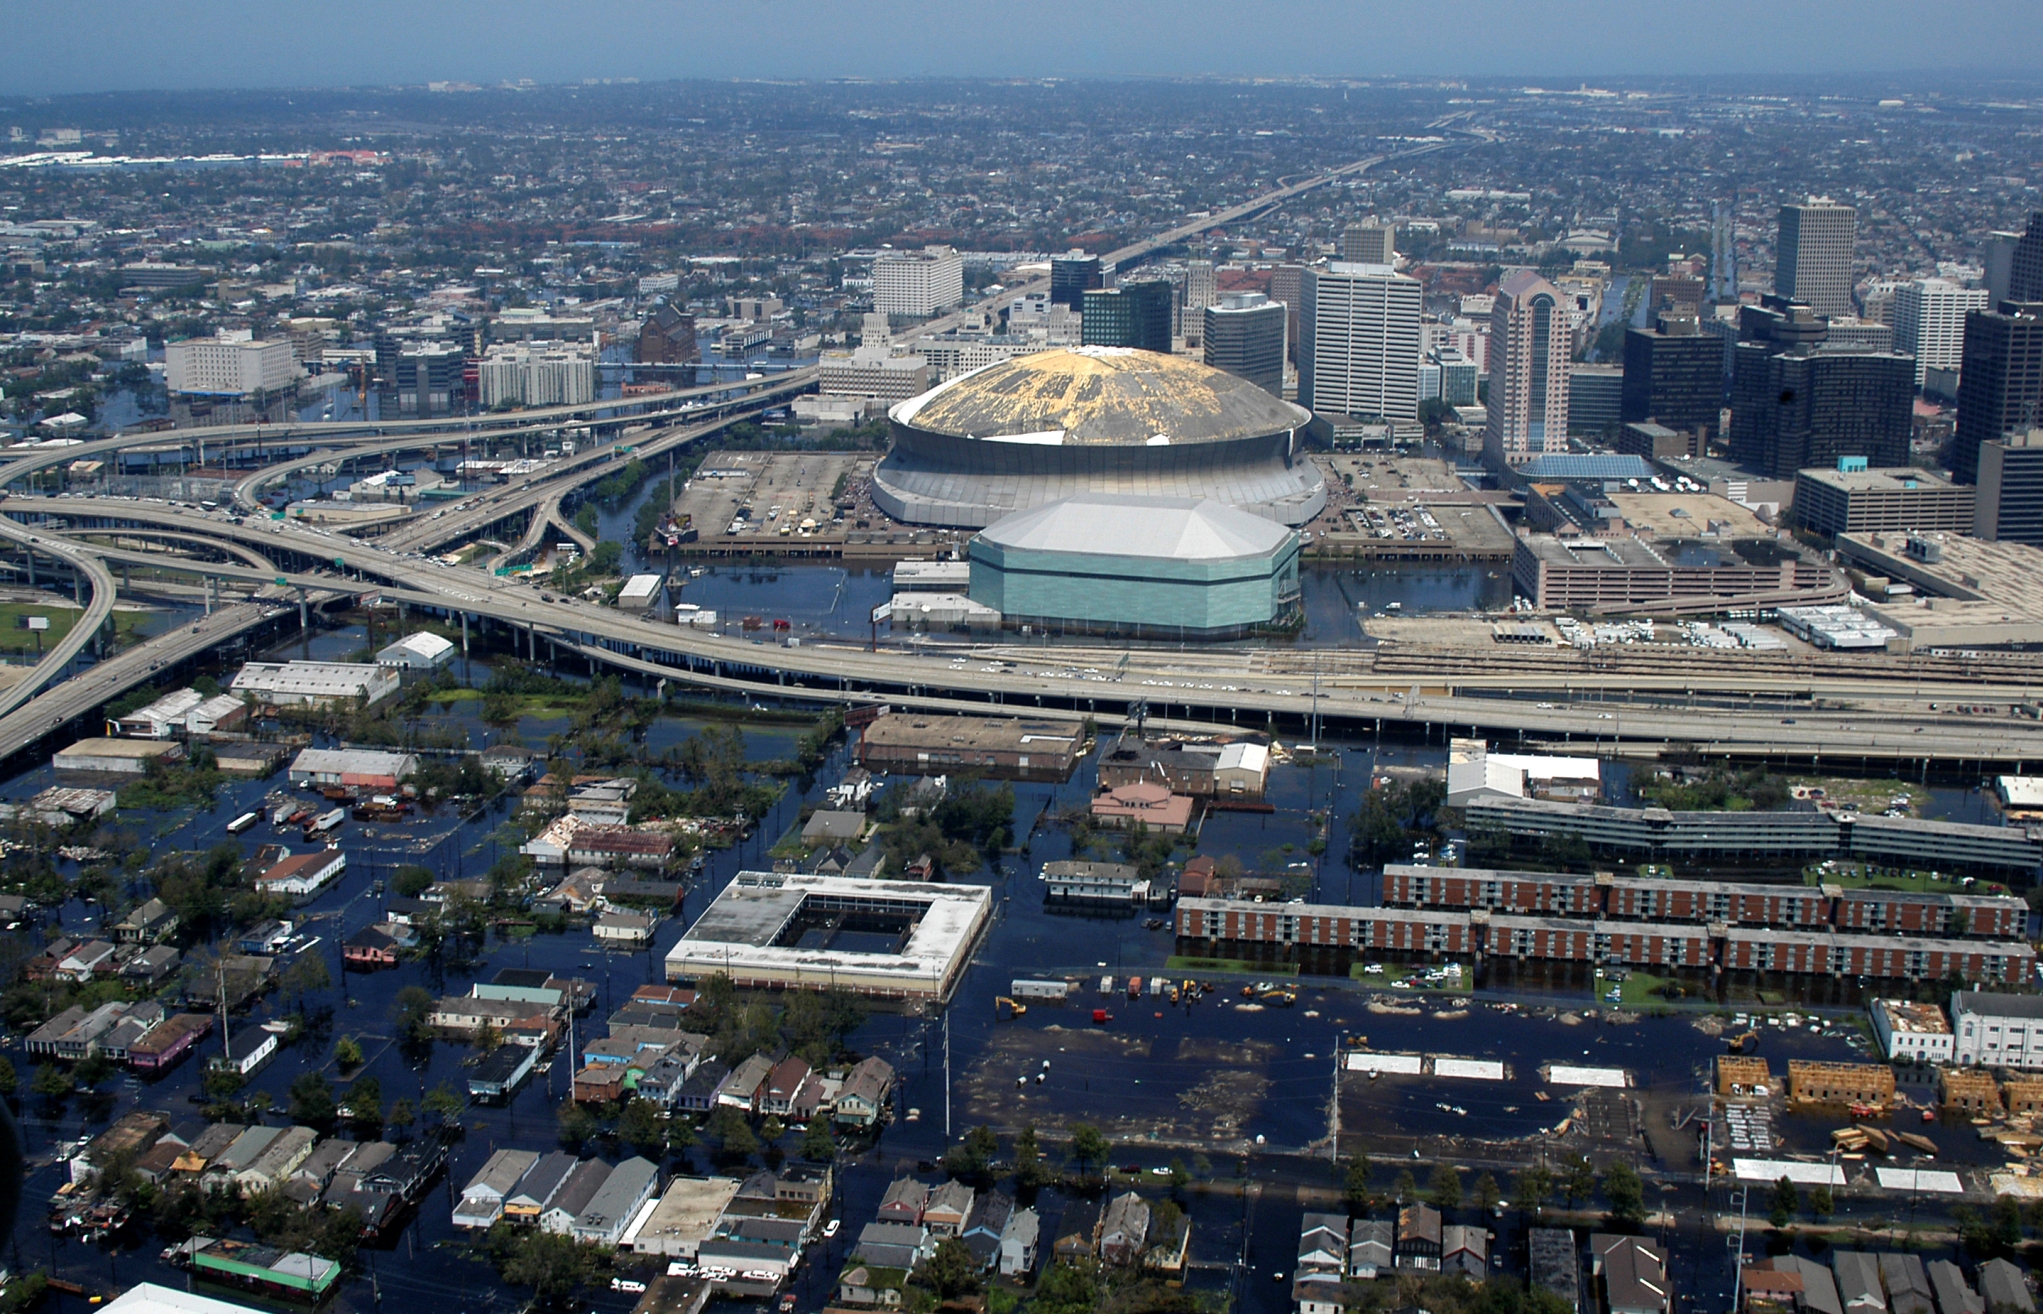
<point>1813,262</point>
<point>885,373</point>
<point>1907,1030</point>
<point>1359,342</point>
<point>229,366</point>
<point>1929,321</point>
<point>918,283</point>
<point>1997,1031</point>
<point>538,374</point>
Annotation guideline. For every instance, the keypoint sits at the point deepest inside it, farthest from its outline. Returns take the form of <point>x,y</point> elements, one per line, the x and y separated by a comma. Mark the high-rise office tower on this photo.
<point>1245,335</point>
<point>2000,381</point>
<point>1997,254</point>
<point>1202,286</point>
<point>1131,315</point>
<point>1800,401</point>
<point>1929,322</point>
<point>1287,284</point>
<point>1813,262</point>
<point>1673,376</point>
<point>1369,244</point>
<point>1529,353</point>
<point>1360,354</point>
<point>2010,503</point>
<point>1072,276</point>
<point>2025,264</point>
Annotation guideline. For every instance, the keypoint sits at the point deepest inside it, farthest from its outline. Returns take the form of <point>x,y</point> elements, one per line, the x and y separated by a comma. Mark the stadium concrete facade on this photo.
<point>1023,433</point>
<point>1152,567</point>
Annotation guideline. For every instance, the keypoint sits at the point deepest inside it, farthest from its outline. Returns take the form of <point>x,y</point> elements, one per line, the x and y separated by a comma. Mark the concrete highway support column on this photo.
<point>464,634</point>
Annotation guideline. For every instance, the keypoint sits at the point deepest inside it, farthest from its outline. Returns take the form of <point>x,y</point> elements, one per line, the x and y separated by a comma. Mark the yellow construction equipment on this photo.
<point>1015,1008</point>
<point>1746,1043</point>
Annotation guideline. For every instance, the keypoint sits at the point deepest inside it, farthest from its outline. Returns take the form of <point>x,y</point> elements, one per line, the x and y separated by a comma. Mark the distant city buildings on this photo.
<point>538,374</point>
<point>1360,355</point>
<point>1529,358</point>
<point>918,284</point>
<point>1071,277</point>
<point>2000,382</point>
<point>1369,244</point>
<point>231,366</point>
<point>667,338</point>
<point>1131,315</point>
<point>1673,376</point>
<point>1245,335</point>
<point>1813,261</point>
<point>1929,321</point>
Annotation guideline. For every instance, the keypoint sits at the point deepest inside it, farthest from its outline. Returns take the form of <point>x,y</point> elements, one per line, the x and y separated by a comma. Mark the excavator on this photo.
<point>1004,1007</point>
<point>1746,1043</point>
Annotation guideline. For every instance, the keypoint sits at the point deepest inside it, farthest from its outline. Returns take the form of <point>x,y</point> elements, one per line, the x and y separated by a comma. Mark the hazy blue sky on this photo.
<point>56,46</point>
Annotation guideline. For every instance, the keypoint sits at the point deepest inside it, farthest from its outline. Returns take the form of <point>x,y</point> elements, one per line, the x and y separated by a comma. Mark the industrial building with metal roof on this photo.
<point>1169,567</point>
<point>1020,433</point>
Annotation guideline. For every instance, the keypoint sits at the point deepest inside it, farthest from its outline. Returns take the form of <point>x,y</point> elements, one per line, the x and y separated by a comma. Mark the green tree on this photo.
<point>555,1266</point>
<point>1355,1185</point>
<point>411,881</point>
<point>1443,1189</point>
<point>1405,1188</point>
<point>819,1144</point>
<point>1029,1171</point>
<point>772,1129</point>
<point>733,1134</point>
<point>639,1126</point>
<point>9,1081</point>
<point>1578,1180</point>
<point>51,1083</point>
<point>1531,1189</point>
<point>1821,1205</point>
<point>312,1100</point>
<point>223,1083</point>
<point>308,975</point>
<point>1089,1147</point>
<point>444,1103</point>
<point>952,1271</point>
<point>92,1070</point>
<point>972,1156</point>
<point>1787,1202</point>
<point>577,1124</point>
<point>364,1100</point>
<point>1627,1196</point>
<point>347,1053</point>
<point>401,1117</point>
<point>1487,1196</point>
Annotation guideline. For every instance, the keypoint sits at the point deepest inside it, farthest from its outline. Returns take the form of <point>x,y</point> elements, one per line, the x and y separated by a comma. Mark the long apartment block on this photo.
<point>1480,932</point>
<point>1660,835</point>
<point>1729,903</point>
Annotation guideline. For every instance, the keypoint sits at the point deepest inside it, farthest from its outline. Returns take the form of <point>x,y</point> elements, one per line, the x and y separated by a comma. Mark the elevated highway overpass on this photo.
<point>1209,686</point>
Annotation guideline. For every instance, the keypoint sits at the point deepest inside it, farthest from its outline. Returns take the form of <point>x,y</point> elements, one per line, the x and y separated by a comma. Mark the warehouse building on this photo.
<point>117,757</point>
<point>360,768</point>
<point>315,684</point>
<point>923,743</point>
<point>423,651</point>
<point>1156,567</point>
<point>890,939</point>
<point>1024,432</point>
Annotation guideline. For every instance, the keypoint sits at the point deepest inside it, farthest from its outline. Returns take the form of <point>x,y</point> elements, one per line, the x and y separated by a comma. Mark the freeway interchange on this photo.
<point>1199,687</point>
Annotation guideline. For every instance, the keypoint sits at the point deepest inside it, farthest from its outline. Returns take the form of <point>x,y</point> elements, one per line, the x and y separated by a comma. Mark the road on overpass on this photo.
<point>1194,690</point>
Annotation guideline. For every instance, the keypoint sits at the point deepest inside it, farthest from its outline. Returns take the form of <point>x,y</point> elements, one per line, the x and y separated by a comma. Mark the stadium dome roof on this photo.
<point>1100,397</point>
<point>1173,528</point>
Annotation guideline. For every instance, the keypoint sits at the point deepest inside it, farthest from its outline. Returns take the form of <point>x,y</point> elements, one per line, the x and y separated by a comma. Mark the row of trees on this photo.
<point>1574,1180</point>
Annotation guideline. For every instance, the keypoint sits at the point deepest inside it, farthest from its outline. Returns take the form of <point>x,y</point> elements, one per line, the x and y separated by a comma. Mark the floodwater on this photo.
<point>1243,1092</point>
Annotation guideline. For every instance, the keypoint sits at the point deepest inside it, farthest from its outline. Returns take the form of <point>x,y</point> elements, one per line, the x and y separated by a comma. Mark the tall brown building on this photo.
<point>667,338</point>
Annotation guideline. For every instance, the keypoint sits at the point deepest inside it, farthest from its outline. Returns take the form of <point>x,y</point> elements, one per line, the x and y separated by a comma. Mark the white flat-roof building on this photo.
<point>1908,1030</point>
<point>917,283</point>
<point>639,592</point>
<point>367,768</point>
<point>778,931</point>
<point>423,651</point>
<point>1997,1031</point>
<point>314,684</point>
<point>1473,772</point>
<point>226,367</point>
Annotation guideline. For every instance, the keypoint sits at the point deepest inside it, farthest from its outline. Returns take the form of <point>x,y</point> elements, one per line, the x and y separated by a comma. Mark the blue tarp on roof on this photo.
<point>1586,467</point>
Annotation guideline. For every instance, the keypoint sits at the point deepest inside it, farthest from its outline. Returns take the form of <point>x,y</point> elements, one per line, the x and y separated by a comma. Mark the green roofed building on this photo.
<point>1162,567</point>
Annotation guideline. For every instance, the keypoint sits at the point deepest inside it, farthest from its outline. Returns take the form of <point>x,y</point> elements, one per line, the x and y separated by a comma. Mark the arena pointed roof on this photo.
<point>1100,397</point>
<point>1110,525</point>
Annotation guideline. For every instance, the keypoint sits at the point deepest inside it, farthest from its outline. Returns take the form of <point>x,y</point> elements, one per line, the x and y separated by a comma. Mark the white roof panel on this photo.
<point>1176,528</point>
